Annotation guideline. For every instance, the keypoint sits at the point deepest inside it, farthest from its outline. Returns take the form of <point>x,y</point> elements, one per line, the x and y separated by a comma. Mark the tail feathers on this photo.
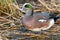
<point>57,17</point>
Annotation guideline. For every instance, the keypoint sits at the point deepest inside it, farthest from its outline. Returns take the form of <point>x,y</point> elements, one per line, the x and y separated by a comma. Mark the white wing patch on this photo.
<point>42,20</point>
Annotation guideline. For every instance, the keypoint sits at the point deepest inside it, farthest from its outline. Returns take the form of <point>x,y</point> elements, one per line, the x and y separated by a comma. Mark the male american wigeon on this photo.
<point>37,21</point>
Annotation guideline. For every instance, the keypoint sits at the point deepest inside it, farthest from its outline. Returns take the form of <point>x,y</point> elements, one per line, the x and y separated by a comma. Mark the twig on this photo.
<point>45,5</point>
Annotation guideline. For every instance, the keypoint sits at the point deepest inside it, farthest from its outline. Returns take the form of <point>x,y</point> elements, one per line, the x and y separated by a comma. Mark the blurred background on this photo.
<point>10,20</point>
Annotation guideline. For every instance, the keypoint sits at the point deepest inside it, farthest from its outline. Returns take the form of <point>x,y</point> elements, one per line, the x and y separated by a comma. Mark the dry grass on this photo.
<point>10,17</point>
<point>8,13</point>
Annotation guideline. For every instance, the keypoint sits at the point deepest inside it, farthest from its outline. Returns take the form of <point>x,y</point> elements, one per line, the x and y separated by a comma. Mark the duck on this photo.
<point>37,21</point>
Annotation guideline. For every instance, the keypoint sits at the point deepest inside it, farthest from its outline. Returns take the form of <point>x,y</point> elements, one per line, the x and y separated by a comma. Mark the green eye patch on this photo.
<point>28,6</point>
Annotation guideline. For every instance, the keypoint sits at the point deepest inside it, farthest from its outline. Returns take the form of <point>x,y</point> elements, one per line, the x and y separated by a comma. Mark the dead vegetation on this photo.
<point>10,16</point>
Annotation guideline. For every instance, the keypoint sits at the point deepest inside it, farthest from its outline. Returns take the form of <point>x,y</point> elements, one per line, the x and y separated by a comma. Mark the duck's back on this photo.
<point>41,15</point>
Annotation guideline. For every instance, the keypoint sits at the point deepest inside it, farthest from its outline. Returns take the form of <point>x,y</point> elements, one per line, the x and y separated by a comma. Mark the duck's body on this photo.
<point>37,24</point>
<point>36,21</point>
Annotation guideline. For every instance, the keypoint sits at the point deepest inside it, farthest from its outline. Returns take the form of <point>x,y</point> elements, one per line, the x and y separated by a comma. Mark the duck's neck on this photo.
<point>29,12</point>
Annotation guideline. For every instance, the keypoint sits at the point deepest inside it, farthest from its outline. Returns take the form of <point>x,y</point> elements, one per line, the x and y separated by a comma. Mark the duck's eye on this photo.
<point>26,6</point>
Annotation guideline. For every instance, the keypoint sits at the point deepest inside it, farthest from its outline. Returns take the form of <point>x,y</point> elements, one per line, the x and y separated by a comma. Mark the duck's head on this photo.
<point>27,6</point>
<point>28,9</point>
